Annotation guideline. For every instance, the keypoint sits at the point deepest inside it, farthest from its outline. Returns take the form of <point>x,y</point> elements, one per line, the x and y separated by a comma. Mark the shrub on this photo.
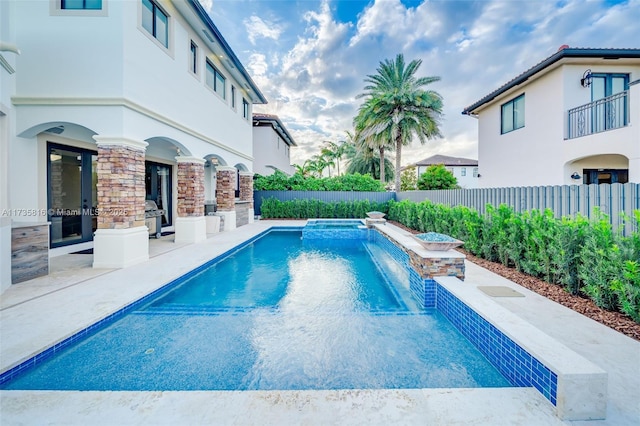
<point>273,208</point>
<point>585,257</point>
<point>278,181</point>
<point>437,177</point>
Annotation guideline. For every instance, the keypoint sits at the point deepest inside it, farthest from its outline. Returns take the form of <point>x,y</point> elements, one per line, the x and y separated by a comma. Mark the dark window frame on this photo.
<point>65,6</point>
<point>215,73</point>
<point>245,108</point>
<point>233,96</point>
<point>505,105</point>
<point>193,49</point>
<point>155,9</point>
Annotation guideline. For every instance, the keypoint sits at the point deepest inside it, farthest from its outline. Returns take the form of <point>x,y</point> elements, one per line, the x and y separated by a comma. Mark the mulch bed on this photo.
<point>586,307</point>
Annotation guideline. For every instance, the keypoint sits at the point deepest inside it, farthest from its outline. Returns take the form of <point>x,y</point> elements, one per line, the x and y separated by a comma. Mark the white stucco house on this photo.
<point>465,170</point>
<point>573,118</point>
<point>272,145</point>
<point>105,104</point>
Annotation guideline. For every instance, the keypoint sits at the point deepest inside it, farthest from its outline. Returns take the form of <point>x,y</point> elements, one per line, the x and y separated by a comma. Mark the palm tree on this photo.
<point>368,138</point>
<point>399,107</point>
<point>303,169</point>
<point>317,164</point>
<point>337,150</point>
<point>348,146</point>
<point>330,151</point>
<point>365,161</point>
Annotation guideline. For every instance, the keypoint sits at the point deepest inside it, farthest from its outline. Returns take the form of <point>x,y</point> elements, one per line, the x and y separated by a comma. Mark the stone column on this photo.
<point>122,238</point>
<point>226,195</point>
<point>246,192</point>
<point>191,226</point>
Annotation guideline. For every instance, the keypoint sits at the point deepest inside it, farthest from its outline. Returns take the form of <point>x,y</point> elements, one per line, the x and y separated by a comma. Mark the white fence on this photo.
<point>616,200</point>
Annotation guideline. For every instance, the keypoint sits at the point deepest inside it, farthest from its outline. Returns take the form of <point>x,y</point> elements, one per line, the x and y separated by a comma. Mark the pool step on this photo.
<point>185,309</point>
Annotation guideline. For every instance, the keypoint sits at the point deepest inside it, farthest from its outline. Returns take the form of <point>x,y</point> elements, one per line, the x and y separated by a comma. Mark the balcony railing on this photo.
<point>604,114</point>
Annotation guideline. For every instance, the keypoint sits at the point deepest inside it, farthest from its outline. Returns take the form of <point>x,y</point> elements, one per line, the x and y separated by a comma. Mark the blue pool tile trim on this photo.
<point>51,351</point>
<point>515,363</point>
<point>321,229</point>
<point>422,289</point>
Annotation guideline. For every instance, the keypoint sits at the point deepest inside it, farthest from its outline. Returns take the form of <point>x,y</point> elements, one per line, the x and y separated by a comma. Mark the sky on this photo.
<point>310,58</point>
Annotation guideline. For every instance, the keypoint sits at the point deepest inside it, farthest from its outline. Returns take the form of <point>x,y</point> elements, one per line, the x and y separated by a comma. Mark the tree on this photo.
<point>364,161</point>
<point>304,169</point>
<point>408,179</point>
<point>437,177</point>
<point>317,164</point>
<point>367,139</point>
<point>333,153</point>
<point>397,106</point>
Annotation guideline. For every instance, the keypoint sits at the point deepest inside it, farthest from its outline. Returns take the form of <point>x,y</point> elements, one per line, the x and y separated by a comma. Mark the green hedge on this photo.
<point>584,256</point>
<point>279,181</point>
<point>273,208</point>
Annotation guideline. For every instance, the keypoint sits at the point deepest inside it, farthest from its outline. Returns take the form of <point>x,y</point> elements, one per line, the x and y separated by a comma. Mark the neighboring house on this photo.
<point>271,145</point>
<point>464,170</point>
<point>113,103</point>
<point>573,118</point>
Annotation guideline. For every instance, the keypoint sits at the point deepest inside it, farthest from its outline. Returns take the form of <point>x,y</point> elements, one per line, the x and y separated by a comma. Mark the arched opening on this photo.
<point>597,169</point>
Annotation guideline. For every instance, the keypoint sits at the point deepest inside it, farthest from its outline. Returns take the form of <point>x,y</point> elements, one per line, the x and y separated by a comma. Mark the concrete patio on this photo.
<point>38,313</point>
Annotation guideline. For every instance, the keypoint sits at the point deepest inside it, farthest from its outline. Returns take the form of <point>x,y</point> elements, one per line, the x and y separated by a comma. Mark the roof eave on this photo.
<point>204,16</point>
<point>277,125</point>
<point>564,53</point>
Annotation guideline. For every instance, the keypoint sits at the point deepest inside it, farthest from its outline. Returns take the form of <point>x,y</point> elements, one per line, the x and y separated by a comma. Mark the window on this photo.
<point>245,108</point>
<point>513,114</point>
<point>155,21</point>
<point>193,59</point>
<point>609,113</point>
<point>463,171</point>
<point>604,85</point>
<point>475,172</point>
<point>81,4</point>
<point>216,81</point>
<point>233,97</point>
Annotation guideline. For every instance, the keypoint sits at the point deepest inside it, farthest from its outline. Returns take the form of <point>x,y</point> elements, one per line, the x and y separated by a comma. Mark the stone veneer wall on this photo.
<point>29,251</point>
<point>190,189</point>
<point>428,268</point>
<point>225,190</point>
<point>242,214</point>
<point>120,187</point>
<point>246,189</point>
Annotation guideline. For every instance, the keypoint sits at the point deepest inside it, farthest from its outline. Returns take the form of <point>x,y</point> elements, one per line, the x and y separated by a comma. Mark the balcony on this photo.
<point>599,116</point>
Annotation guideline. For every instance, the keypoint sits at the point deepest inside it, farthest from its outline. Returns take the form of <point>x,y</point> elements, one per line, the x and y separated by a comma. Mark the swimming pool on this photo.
<point>329,319</point>
<point>340,229</point>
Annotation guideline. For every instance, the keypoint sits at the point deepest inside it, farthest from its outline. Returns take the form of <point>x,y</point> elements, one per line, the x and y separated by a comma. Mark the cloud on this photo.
<point>312,68</point>
<point>258,65</point>
<point>257,28</point>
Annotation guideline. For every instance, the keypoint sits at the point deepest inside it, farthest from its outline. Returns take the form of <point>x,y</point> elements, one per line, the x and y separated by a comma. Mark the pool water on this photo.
<point>281,313</point>
<point>334,224</point>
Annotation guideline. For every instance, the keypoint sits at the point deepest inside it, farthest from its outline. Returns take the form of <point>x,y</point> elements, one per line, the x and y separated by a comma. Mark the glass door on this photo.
<point>72,195</point>
<point>612,113</point>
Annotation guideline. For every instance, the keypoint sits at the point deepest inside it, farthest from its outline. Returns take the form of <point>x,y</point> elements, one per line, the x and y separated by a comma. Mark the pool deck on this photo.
<point>38,313</point>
